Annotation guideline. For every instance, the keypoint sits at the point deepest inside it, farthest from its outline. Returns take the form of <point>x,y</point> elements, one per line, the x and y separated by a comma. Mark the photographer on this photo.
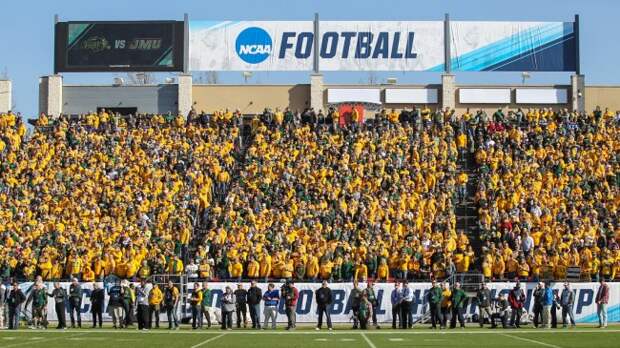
<point>500,312</point>
<point>356,297</point>
<point>516,298</point>
<point>323,300</point>
<point>291,295</point>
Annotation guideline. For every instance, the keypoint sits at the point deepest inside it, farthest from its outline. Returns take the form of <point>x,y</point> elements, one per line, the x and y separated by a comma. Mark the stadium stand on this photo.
<point>549,194</point>
<point>287,196</point>
<point>97,195</point>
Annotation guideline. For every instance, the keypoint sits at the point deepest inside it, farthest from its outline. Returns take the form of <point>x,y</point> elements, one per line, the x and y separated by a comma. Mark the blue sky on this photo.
<point>26,33</point>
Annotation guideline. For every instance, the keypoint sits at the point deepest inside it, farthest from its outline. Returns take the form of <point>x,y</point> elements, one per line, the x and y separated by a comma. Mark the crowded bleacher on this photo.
<point>102,195</point>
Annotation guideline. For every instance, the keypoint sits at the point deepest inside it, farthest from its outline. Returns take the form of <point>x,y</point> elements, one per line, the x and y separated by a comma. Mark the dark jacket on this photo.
<point>254,295</point>
<point>323,296</point>
<point>241,297</point>
<point>484,297</point>
<point>435,295</point>
<point>59,295</point>
<point>15,298</point>
<point>96,299</point>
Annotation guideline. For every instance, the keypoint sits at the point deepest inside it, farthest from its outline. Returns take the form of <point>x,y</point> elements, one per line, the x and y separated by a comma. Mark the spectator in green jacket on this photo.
<point>205,304</point>
<point>435,296</point>
<point>458,303</point>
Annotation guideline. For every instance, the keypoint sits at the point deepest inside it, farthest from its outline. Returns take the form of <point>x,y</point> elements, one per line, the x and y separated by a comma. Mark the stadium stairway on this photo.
<point>467,210</point>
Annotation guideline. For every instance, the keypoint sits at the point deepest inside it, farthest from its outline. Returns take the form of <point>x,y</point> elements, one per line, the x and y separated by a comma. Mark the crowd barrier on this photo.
<point>584,308</point>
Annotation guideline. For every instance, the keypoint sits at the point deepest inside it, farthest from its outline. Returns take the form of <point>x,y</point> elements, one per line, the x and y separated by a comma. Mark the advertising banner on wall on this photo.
<point>342,45</point>
<point>512,46</point>
<point>119,46</point>
<point>381,46</point>
<point>341,312</point>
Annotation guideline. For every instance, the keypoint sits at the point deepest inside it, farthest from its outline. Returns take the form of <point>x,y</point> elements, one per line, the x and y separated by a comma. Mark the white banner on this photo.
<point>250,45</point>
<point>584,309</point>
<point>343,45</point>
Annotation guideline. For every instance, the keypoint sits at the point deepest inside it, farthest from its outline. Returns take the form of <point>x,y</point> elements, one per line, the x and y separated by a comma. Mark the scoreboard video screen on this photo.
<point>119,46</point>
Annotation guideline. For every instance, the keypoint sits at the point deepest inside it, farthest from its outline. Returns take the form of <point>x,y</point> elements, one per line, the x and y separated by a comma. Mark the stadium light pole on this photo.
<point>576,31</point>
<point>446,44</point>
<point>315,65</point>
<point>185,43</point>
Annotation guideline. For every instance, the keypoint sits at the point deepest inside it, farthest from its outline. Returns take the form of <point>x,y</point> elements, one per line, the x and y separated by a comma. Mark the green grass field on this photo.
<point>306,337</point>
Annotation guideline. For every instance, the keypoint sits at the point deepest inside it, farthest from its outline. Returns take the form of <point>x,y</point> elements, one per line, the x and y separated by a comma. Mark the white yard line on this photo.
<point>47,340</point>
<point>531,341</point>
<point>208,340</point>
<point>370,344</point>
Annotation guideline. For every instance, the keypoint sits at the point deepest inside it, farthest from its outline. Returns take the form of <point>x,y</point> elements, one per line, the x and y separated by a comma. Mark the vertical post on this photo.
<point>185,43</point>
<point>446,44</point>
<point>315,62</point>
<point>56,48</point>
<point>577,53</point>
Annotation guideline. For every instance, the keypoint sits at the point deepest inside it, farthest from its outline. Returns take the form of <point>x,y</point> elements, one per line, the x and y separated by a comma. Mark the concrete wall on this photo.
<point>148,99</point>
<point>5,95</point>
<point>604,96</point>
<point>250,98</point>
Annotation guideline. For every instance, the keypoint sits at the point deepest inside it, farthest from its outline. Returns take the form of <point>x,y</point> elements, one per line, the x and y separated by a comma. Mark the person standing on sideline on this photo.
<point>97,298</point>
<point>142,299</point>
<point>75,303</point>
<point>60,296</point>
<point>547,303</point>
<point>291,295</point>
<point>372,298</point>
<point>116,305</point>
<point>171,301</point>
<point>405,306</point>
<point>228,307</point>
<point>254,296</point>
<point>364,312</point>
<point>205,305</point>
<point>155,299</point>
<point>484,303</point>
<point>356,297</point>
<point>39,306</point>
<point>458,300</point>
<point>271,298</point>
<point>435,296</point>
<point>323,300</point>
<point>602,298</point>
<point>196,302</point>
<point>567,299</point>
<point>14,301</point>
<point>4,292</point>
<point>539,294</point>
<point>395,300</point>
<point>241,300</point>
<point>516,299</point>
<point>446,305</point>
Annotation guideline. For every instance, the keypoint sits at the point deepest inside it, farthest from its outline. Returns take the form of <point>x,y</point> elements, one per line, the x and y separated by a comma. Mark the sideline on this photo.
<point>372,345</point>
<point>208,340</point>
<point>531,341</point>
<point>47,340</point>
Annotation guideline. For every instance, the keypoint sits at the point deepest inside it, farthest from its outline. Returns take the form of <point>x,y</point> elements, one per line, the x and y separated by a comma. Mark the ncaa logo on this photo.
<point>253,45</point>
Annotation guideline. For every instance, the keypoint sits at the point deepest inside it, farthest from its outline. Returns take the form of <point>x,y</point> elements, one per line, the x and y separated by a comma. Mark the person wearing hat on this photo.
<point>291,295</point>
<point>75,303</point>
<point>271,298</point>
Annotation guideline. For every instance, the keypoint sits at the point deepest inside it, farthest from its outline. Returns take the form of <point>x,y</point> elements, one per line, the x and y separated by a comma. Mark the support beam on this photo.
<point>50,95</point>
<point>316,92</point>
<point>5,95</point>
<point>185,99</point>
<point>448,91</point>
<point>578,92</point>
